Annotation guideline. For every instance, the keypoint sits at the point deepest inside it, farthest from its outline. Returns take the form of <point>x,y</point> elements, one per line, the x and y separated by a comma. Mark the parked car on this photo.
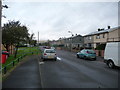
<point>42,48</point>
<point>53,48</point>
<point>111,54</point>
<point>46,47</point>
<point>87,54</point>
<point>49,54</point>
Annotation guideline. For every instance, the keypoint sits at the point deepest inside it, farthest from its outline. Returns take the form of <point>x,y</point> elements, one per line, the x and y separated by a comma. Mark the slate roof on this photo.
<point>103,31</point>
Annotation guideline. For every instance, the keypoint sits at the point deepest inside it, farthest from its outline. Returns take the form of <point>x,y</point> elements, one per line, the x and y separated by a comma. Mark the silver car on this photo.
<point>49,54</point>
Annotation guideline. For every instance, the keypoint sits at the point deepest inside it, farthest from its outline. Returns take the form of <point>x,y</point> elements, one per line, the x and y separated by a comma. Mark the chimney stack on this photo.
<point>99,29</point>
<point>102,29</point>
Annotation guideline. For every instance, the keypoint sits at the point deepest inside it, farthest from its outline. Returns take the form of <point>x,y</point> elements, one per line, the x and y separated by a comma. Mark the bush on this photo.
<point>100,47</point>
<point>61,45</point>
<point>88,47</point>
<point>22,46</point>
<point>81,48</point>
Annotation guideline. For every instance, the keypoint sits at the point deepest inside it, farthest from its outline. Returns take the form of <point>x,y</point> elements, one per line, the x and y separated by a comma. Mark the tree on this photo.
<point>30,39</point>
<point>13,33</point>
<point>101,47</point>
<point>34,42</point>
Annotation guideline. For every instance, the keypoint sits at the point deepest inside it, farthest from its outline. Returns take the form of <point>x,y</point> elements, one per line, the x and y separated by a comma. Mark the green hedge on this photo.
<point>101,47</point>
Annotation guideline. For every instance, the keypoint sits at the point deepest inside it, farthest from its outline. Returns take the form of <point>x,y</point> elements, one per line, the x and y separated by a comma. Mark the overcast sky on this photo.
<point>54,19</point>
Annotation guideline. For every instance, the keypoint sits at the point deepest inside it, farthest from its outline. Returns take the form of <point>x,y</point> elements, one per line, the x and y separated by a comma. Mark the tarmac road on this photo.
<point>71,72</point>
<point>67,72</point>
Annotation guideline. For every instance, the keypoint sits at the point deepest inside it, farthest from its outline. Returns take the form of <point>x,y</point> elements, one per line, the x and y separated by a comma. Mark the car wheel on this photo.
<point>55,59</point>
<point>77,56</point>
<point>80,57</point>
<point>110,64</point>
<point>43,59</point>
<point>94,58</point>
<point>84,57</point>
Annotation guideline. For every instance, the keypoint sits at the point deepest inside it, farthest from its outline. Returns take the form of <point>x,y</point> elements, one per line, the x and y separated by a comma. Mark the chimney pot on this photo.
<point>108,27</point>
<point>99,29</point>
<point>102,29</point>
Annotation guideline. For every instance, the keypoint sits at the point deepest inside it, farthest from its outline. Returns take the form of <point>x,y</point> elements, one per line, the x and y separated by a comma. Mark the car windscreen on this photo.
<point>90,51</point>
<point>50,51</point>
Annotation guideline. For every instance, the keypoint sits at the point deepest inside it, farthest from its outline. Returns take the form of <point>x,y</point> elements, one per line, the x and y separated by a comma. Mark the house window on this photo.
<point>89,45</point>
<point>89,38</point>
<point>80,39</point>
<point>98,36</point>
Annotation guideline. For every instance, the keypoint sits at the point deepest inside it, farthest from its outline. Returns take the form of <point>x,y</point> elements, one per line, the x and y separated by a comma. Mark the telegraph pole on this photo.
<point>38,38</point>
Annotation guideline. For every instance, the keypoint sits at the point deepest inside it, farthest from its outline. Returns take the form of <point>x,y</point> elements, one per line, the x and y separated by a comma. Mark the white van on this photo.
<point>112,54</point>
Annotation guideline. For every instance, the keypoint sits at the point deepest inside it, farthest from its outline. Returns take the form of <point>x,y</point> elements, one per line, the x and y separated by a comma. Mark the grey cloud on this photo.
<point>58,18</point>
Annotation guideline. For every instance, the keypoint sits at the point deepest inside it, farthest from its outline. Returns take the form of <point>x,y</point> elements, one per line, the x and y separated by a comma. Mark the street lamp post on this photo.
<point>71,40</point>
<point>71,33</point>
<point>38,38</point>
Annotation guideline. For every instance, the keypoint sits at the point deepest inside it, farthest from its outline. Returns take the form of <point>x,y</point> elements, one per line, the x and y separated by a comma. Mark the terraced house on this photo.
<point>89,41</point>
<point>114,35</point>
<point>102,36</point>
<point>74,42</point>
<point>77,41</point>
<point>70,43</point>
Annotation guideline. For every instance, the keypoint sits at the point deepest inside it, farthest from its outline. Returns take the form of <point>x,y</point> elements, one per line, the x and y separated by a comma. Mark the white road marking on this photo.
<point>41,62</point>
<point>58,58</point>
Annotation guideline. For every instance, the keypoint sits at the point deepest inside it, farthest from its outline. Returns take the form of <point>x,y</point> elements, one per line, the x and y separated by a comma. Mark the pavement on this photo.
<point>26,75</point>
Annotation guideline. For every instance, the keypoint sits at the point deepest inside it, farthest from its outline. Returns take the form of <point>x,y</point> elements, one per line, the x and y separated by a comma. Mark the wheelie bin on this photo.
<point>4,56</point>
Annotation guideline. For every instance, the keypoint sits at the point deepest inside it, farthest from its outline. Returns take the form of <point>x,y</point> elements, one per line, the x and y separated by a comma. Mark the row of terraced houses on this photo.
<point>91,40</point>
